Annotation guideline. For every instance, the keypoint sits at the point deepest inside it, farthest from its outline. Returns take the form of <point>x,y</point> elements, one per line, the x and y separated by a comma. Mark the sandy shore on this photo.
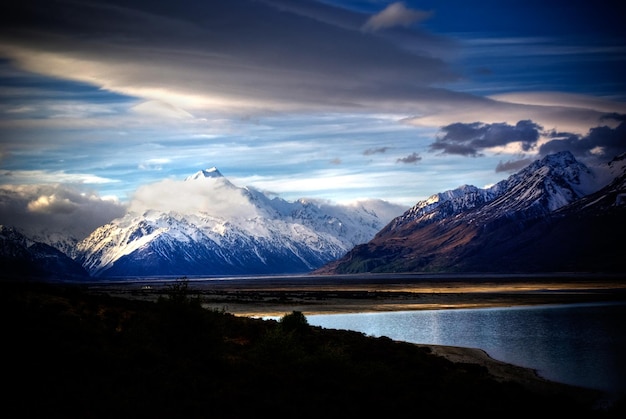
<point>526,377</point>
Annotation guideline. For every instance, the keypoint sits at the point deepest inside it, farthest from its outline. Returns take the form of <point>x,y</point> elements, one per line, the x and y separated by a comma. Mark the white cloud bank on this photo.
<point>212,196</point>
<point>54,208</point>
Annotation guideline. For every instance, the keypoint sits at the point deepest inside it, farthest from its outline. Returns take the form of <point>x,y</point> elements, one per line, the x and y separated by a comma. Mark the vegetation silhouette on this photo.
<point>71,352</point>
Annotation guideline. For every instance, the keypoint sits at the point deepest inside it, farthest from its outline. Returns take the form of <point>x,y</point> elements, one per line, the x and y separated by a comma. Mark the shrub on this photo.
<point>178,293</point>
<point>295,322</point>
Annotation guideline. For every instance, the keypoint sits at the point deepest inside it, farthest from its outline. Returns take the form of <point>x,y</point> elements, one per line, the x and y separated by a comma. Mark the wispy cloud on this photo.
<point>379,150</point>
<point>563,117</point>
<point>41,176</point>
<point>513,165</point>
<point>296,62</point>
<point>396,14</point>
<point>182,61</point>
<point>293,95</point>
<point>154,164</point>
<point>562,100</point>
<point>339,184</point>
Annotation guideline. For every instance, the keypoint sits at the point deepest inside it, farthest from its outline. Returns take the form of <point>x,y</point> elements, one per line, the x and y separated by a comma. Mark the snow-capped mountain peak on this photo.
<point>21,256</point>
<point>554,216</point>
<point>212,172</point>
<point>208,226</point>
<point>542,187</point>
<point>443,204</point>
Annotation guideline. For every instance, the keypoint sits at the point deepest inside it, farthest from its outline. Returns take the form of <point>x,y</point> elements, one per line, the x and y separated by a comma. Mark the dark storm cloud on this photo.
<point>55,208</point>
<point>371,151</point>
<point>264,54</point>
<point>470,139</point>
<point>512,166</point>
<point>411,158</point>
<point>601,142</point>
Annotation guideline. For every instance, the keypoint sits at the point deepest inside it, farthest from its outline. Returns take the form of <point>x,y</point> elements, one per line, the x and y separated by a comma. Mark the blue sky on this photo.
<point>338,100</point>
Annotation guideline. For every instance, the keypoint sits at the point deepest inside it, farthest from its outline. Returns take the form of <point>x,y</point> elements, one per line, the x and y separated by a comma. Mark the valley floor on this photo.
<point>276,296</point>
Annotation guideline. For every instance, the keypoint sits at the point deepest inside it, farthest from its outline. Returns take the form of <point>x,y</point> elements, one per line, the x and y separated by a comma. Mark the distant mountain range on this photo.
<point>260,235</point>
<point>556,215</point>
<point>553,216</point>
<point>21,257</point>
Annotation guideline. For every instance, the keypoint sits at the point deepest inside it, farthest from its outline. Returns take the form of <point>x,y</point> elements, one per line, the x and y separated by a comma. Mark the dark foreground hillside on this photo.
<point>71,354</point>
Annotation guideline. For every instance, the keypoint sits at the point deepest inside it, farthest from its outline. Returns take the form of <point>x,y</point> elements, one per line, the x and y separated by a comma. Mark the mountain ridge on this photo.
<point>500,228</point>
<point>553,215</point>
<point>22,257</point>
<point>255,235</point>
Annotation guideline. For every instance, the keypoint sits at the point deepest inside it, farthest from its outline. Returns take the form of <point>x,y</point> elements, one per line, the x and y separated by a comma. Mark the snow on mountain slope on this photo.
<point>496,228</point>
<point>206,173</point>
<point>542,187</point>
<point>442,205</point>
<point>208,226</point>
<point>23,258</point>
<point>60,240</point>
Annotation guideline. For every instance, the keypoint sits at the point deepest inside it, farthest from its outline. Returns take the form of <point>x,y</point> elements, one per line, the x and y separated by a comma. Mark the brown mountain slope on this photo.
<point>583,236</point>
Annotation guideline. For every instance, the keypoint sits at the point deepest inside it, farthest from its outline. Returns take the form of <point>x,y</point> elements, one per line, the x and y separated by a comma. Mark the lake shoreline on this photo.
<point>528,378</point>
<point>276,296</point>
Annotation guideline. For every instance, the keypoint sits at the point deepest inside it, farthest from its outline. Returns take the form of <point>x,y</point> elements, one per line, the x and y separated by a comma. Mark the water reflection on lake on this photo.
<point>580,344</point>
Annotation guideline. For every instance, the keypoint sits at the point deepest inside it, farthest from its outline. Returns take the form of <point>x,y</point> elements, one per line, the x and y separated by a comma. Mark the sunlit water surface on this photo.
<point>580,344</point>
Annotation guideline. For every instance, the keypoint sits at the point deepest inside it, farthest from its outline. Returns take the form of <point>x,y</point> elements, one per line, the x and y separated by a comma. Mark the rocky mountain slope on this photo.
<point>21,257</point>
<point>554,215</point>
<point>257,235</point>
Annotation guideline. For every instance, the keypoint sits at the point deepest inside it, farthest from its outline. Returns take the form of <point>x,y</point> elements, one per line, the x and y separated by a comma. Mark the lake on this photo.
<point>579,344</point>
